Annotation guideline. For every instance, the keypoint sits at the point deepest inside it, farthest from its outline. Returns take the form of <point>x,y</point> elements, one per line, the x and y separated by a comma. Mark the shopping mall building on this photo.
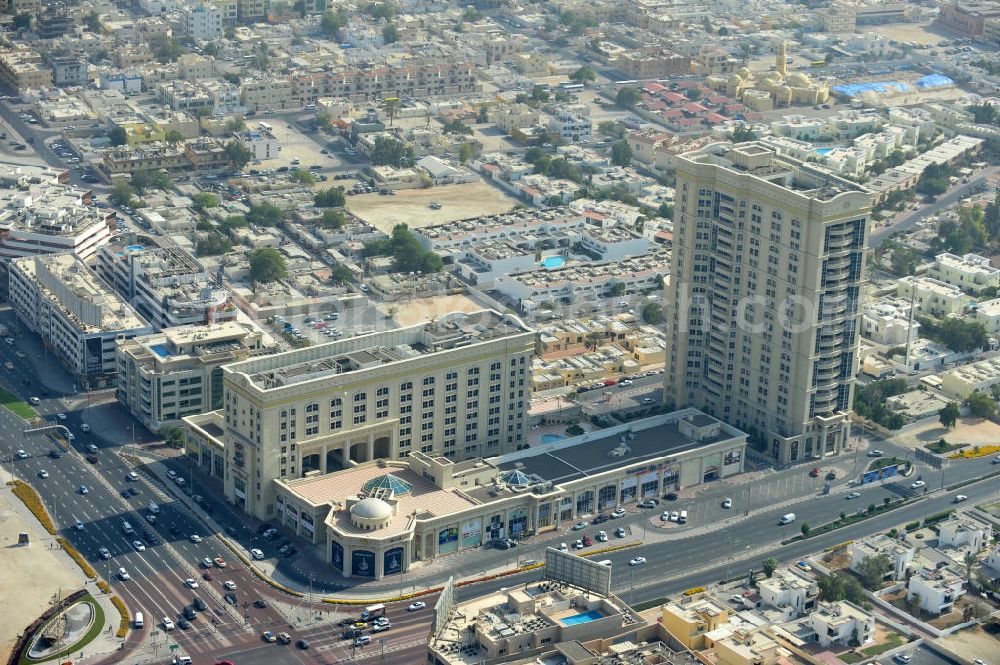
<point>378,517</point>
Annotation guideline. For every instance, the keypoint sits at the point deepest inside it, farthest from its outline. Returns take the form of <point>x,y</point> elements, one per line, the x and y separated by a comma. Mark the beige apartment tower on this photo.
<point>458,387</point>
<point>763,310</point>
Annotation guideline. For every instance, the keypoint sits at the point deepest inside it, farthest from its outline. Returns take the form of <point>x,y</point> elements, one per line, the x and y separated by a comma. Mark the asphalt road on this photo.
<point>947,199</point>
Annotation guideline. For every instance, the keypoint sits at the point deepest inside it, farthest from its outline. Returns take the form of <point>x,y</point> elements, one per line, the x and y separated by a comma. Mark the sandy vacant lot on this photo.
<point>973,431</point>
<point>42,574</point>
<point>293,144</point>
<point>418,311</point>
<point>412,206</point>
<point>929,34</point>
<point>972,643</point>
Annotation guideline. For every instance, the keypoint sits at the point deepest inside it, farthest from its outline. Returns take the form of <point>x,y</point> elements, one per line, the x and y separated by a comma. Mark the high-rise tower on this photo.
<point>762,309</point>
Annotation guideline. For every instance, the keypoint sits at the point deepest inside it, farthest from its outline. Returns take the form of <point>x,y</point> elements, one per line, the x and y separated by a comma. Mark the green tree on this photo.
<point>873,570</point>
<point>769,565</point>
<point>121,194</point>
<point>381,10</point>
<point>237,124</point>
<point>869,402</point>
<point>173,137</point>
<point>933,180</point>
<point>904,261</point>
<point>165,49</point>
<point>959,335</point>
<point>583,75</point>
<point>332,22</point>
<point>266,265</point>
<point>213,244</point>
<point>806,529</point>
<point>456,127</point>
<point>175,437</point>
<point>896,158</point>
<point>611,128</point>
<point>231,77</point>
<point>465,152</point>
<point>332,197</point>
<point>145,179</point>
<point>388,151</point>
<point>332,219</point>
<point>118,136</point>
<point>652,313</point>
<point>303,177</point>
<point>617,289</point>
<point>743,133</point>
<point>210,49</point>
<point>984,113</point>
<point>203,200</point>
<point>628,97</point>
<point>92,21</point>
<point>948,415</point>
<point>621,154</point>
<point>390,35</point>
<point>238,154</point>
<point>235,222</point>
<point>265,214</point>
<point>981,405</point>
<point>340,274</point>
<point>403,246</point>
<point>21,21</point>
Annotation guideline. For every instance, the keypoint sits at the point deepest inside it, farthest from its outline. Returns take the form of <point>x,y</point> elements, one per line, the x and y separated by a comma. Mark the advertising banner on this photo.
<point>363,563</point>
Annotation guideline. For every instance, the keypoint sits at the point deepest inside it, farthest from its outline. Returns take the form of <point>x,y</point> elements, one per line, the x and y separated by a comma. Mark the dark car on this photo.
<point>302,644</point>
<point>199,604</point>
<point>351,633</point>
<point>183,623</point>
<point>55,454</point>
<point>290,552</point>
<point>134,491</point>
<point>230,598</point>
<point>126,493</point>
<point>670,497</point>
<point>263,527</point>
<point>600,519</point>
<point>190,614</point>
<point>260,603</point>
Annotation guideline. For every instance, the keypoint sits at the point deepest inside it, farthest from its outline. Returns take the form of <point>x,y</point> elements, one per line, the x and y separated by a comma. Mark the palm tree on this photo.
<point>390,108</point>
<point>969,561</point>
<point>593,341</point>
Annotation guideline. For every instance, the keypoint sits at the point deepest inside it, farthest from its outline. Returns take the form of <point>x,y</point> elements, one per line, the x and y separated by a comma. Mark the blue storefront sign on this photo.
<point>337,556</point>
<point>363,563</point>
<point>884,473</point>
<point>392,563</point>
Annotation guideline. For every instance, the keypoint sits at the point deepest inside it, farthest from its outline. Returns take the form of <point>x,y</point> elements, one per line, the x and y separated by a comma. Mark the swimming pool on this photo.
<point>552,438</point>
<point>582,618</point>
<point>135,248</point>
<point>553,262</point>
<point>823,151</point>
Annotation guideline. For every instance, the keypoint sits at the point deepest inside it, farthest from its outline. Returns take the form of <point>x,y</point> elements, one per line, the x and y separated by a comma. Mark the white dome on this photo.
<point>371,509</point>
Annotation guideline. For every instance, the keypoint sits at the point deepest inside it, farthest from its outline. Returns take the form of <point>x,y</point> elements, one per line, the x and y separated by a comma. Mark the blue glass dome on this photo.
<point>387,482</point>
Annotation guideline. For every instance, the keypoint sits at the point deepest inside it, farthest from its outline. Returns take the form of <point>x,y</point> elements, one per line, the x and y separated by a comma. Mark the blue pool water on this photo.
<point>552,438</point>
<point>582,618</point>
<point>823,151</point>
<point>161,350</point>
<point>553,262</point>
<point>135,248</point>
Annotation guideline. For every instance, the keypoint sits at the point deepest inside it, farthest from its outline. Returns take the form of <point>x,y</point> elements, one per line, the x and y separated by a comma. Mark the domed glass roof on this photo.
<point>515,477</point>
<point>387,482</point>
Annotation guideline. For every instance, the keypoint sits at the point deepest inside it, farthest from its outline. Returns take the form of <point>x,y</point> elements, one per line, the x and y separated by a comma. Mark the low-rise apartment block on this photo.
<point>970,272</point>
<point>898,553</point>
<point>261,142</point>
<point>841,623</point>
<point>168,375</point>
<point>587,282</point>
<point>932,296</point>
<point>962,531</point>
<point>962,381</point>
<point>888,321</point>
<point>789,592</point>
<point>78,318</point>
<point>166,285</point>
<point>24,69</point>
<point>48,218</point>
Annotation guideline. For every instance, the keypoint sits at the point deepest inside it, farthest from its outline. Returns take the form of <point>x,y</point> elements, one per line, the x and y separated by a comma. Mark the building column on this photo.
<point>322,460</point>
<point>346,453</point>
<point>371,446</point>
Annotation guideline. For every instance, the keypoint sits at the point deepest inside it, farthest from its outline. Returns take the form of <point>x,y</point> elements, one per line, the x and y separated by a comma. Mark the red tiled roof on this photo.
<point>653,87</point>
<point>715,118</point>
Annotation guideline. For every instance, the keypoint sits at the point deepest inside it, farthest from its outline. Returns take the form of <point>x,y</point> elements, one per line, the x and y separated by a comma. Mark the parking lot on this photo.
<point>324,325</point>
<point>294,145</point>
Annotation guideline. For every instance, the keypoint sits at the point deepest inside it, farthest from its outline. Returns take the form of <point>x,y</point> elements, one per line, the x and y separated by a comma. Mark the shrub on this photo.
<point>87,569</point>
<point>694,590</point>
<point>913,526</point>
<point>103,586</point>
<point>123,616</point>
<point>27,494</point>
<point>937,517</point>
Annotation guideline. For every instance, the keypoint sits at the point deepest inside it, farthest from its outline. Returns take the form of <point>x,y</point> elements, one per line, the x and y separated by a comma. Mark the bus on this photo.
<point>818,63</point>
<point>571,87</point>
<point>628,82</point>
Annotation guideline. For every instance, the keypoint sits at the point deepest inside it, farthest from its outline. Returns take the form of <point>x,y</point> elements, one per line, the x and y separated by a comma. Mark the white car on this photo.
<point>191,583</point>
<point>22,455</point>
<point>618,512</point>
<point>123,574</point>
<point>195,538</point>
<point>43,474</point>
<point>138,545</point>
<point>229,585</point>
<point>563,547</point>
<point>727,503</point>
<point>637,561</point>
<point>419,605</point>
<point>256,554</point>
<point>959,498</point>
<point>917,484</point>
<point>602,536</point>
<point>674,516</point>
<point>61,416</point>
<point>167,624</point>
